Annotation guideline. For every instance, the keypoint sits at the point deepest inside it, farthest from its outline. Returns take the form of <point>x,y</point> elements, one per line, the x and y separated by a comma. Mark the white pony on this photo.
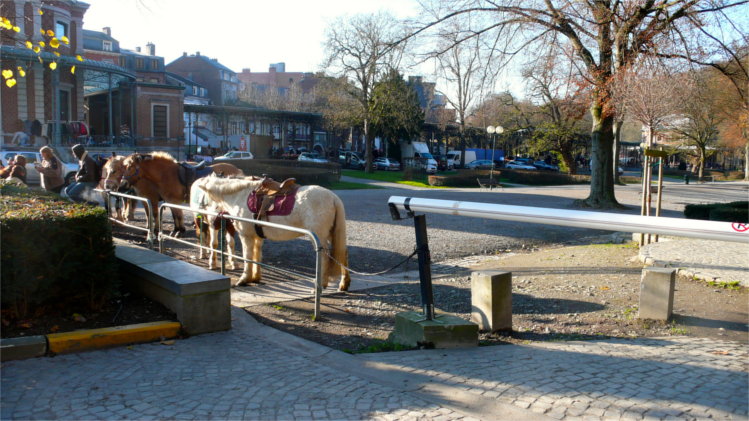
<point>205,229</point>
<point>316,209</point>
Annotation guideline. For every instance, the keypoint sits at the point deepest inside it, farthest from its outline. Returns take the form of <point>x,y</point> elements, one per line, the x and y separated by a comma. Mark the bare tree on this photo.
<point>468,69</point>
<point>605,36</point>
<point>362,48</point>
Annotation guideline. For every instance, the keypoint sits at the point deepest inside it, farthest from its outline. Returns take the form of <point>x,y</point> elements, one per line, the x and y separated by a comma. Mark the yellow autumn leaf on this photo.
<point>17,28</point>
<point>29,44</point>
<point>6,21</point>
<point>43,32</point>
<point>10,82</point>
<point>56,53</point>
<point>79,58</point>
<point>53,65</point>
<point>21,72</point>
<point>42,44</point>
<point>54,43</point>
<point>7,73</point>
<point>72,70</point>
<point>41,12</point>
<point>37,49</point>
<point>65,39</point>
<point>40,59</point>
<point>50,33</point>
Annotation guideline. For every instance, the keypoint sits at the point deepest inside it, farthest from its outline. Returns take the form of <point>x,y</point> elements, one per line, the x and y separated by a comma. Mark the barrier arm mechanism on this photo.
<point>691,228</point>
<point>424,256</point>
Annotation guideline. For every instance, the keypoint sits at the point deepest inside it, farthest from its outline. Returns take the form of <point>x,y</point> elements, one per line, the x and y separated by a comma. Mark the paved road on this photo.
<point>255,372</point>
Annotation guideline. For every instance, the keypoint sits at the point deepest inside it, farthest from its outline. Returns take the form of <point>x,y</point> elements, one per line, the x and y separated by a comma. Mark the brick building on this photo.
<point>44,100</point>
<point>220,81</point>
<point>276,80</point>
<point>144,107</point>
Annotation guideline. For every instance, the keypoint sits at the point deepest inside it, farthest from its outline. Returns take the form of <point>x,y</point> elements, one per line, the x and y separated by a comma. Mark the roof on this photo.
<point>212,62</point>
<point>11,52</point>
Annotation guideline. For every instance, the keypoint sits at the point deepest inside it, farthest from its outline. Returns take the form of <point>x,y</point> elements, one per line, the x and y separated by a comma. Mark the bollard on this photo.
<point>686,178</point>
<point>491,300</point>
<point>657,293</point>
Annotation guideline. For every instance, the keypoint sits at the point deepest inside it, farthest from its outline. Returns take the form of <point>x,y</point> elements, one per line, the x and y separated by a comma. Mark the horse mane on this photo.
<point>159,155</point>
<point>223,186</point>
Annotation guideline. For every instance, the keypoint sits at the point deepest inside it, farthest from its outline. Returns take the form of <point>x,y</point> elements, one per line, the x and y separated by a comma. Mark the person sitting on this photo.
<point>50,170</point>
<point>16,168</point>
<point>86,177</point>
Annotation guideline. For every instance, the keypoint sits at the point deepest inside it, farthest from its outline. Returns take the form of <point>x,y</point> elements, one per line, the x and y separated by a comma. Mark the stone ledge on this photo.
<point>22,348</point>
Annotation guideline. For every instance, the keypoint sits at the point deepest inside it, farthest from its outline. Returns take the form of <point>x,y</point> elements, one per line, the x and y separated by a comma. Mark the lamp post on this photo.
<point>494,131</point>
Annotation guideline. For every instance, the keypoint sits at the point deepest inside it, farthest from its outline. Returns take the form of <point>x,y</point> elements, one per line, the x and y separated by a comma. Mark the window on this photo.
<point>61,29</point>
<point>139,64</point>
<point>154,65</point>
<point>106,45</point>
<point>159,118</point>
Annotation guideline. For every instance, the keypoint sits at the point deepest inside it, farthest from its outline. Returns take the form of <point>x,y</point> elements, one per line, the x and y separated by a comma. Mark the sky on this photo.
<point>239,33</point>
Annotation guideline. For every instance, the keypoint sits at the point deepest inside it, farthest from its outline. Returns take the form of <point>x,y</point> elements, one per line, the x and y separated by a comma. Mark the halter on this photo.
<point>130,178</point>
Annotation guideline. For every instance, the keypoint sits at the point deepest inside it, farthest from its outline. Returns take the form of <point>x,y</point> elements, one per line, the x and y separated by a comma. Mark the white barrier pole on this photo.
<point>692,228</point>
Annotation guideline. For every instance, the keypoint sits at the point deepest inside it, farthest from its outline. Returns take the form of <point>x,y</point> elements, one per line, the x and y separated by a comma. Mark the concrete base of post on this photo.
<point>491,300</point>
<point>446,331</point>
<point>657,293</point>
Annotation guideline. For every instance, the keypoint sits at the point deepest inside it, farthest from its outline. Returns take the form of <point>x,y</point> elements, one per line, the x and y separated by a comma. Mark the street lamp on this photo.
<point>492,130</point>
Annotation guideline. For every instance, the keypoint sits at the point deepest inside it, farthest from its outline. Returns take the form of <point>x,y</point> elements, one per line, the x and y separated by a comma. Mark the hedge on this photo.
<point>728,212</point>
<point>529,177</point>
<point>53,252</point>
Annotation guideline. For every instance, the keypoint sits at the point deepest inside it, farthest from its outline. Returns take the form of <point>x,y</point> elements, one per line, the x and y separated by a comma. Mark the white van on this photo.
<point>427,161</point>
<point>454,156</point>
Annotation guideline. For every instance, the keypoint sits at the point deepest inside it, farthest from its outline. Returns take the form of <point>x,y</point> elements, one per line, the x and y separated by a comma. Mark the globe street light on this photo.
<point>492,130</point>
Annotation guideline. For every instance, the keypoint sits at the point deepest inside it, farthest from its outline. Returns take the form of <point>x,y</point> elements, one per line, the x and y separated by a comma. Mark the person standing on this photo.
<point>85,178</point>
<point>51,171</point>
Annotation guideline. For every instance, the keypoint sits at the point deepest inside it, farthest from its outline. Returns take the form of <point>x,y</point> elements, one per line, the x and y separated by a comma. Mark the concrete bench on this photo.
<point>199,297</point>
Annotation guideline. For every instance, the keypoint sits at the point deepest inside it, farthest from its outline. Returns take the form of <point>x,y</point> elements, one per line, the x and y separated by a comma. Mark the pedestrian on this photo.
<point>85,179</point>
<point>51,171</point>
<point>15,169</point>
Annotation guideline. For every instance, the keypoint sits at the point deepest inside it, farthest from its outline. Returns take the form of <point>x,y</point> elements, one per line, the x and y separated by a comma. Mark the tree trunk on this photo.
<point>702,163</point>
<point>602,147</point>
<point>569,161</point>
<point>617,146</point>
<point>746,162</point>
<point>368,146</point>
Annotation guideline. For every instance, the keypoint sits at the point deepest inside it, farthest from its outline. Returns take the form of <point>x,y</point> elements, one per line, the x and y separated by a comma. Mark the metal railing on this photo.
<point>109,194</point>
<point>223,217</point>
<point>710,230</point>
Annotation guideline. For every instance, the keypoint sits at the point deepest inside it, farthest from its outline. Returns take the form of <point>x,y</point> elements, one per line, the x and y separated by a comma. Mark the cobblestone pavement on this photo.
<point>256,372</point>
<point>673,378</point>
<point>702,259</point>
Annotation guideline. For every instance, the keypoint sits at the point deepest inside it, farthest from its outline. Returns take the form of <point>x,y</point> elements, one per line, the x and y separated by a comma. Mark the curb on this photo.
<point>86,340</point>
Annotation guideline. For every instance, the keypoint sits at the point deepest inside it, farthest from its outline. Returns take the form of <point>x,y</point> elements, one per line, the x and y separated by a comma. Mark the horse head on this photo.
<point>112,172</point>
<point>131,169</point>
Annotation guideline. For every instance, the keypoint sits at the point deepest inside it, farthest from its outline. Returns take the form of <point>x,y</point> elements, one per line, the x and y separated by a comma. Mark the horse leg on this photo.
<point>130,209</point>
<point>257,256</point>
<point>179,223</point>
<point>230,246</point>
<point>214,234</point>
<point>248,247</point>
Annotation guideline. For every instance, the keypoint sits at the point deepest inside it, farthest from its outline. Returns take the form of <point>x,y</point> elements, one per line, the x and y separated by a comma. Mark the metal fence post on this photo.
<point>222,243</point>
<point>318,280</point>
<point>425,268</point>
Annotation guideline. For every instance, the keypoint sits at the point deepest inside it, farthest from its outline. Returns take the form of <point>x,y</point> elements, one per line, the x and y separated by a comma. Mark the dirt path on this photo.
<point>559,293</point>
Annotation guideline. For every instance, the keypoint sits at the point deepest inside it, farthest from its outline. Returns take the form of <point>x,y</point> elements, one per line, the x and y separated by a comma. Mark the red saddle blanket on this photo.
<point>282,204</point>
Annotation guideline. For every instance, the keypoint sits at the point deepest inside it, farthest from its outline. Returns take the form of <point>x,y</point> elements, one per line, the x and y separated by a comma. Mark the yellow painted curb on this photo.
<point>84,340</point>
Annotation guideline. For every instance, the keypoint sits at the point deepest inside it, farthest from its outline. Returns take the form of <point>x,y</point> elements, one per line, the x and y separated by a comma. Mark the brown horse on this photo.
<point>156,176</point>
<point>111,176</point>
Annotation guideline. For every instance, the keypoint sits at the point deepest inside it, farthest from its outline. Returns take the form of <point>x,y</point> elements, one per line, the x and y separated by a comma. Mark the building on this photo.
<point>220,82</point>
<point>276,81</point>
<point>47,100</point>
<point>144,108</point>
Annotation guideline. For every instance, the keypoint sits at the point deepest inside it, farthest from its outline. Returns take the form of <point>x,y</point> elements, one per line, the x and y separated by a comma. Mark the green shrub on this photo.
<point>53,252</point>
<point>461,179</point>
<point>728,212</point>
<point>543,178</point>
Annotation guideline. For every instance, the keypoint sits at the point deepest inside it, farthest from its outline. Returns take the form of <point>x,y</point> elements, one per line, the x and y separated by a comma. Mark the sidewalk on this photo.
<point>707,260</point>
<point>256,372</point>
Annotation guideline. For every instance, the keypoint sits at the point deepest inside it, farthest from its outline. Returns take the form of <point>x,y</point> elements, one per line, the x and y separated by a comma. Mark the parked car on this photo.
<point>234,155</point>
<point>350,159</point>
<point>515,165</point>
<point>526,161</point>
<point>541,165</point>
<point>34,157</point>
<point>387,164</point>
<point>480,164</point>
<point>312,157</point>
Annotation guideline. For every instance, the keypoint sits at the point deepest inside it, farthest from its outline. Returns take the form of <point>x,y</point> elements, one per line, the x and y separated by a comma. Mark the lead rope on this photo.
<point>327,253</point>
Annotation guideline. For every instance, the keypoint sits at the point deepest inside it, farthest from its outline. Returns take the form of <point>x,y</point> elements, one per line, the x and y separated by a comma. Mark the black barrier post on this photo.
<point>425,266</point>
<point>222,241</point>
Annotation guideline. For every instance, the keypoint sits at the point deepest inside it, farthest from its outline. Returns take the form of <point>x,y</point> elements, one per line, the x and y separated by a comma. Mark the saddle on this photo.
<point>271,198</point>
<point>187,174</point>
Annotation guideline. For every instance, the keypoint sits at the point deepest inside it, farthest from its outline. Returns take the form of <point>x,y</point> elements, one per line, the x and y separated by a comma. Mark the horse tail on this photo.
<point>339,250</point>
